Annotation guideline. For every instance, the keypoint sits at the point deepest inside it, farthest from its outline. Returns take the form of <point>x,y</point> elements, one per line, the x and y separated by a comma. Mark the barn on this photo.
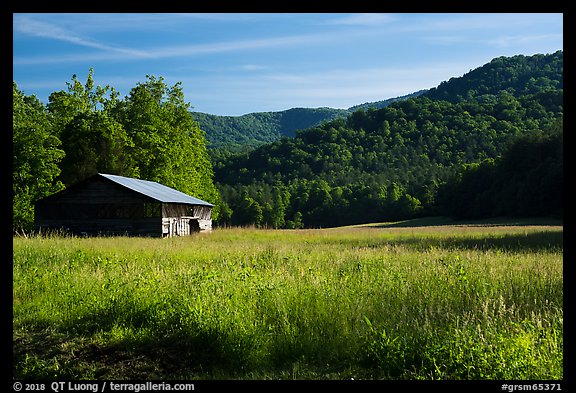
<point>115,205</point>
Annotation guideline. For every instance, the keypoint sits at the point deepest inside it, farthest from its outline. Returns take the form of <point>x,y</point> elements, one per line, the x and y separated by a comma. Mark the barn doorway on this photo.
<point>194,225</point>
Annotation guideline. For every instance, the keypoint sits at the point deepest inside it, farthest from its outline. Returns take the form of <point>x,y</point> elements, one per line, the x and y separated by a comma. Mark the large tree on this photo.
<point>169,146</point>
<point>92,139</point>
<point>36,155</point>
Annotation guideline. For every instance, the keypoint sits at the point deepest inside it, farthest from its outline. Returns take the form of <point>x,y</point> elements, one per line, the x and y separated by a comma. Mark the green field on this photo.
<point>408,300</point>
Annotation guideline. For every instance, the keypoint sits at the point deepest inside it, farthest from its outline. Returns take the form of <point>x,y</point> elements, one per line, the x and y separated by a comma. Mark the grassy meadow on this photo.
<point>408,300</point>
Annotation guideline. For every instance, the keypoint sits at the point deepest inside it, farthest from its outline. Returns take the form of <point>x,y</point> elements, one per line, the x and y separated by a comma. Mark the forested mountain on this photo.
<point>394,162</point>
<point>254,129</point>
<point>527,180</point>
<point>519,75</point>
<point>385,103</point>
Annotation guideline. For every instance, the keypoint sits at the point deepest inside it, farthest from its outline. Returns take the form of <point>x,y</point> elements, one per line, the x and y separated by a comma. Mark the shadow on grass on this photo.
<point>529,242</point>
<point>55,355</point>
<point>489,222</point>
<point>535,240</point>
<point>518,242</point>
<point>127,341</point>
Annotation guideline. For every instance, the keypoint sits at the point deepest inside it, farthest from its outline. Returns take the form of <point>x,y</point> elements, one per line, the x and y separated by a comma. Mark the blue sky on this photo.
<point>233,64</point>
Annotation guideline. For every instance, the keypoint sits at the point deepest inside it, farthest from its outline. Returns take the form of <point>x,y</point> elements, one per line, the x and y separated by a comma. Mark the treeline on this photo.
<point>526,181</point>
<point>303,204</point>
<point>149,134</point>
<point>384,103</point>
<point>414,157</point>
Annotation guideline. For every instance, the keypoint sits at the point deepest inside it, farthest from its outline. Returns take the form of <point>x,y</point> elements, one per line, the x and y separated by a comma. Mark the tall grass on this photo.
<point>404,303</point>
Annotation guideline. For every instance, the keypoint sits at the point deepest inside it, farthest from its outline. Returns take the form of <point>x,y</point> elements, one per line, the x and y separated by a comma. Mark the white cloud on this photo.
<point>36,28</point>
<point>508,41</point>
<point>362,20</point>
<point>342,88</point>
<point>483,22</point>
<point>252,67</point>
<point>119,54</point>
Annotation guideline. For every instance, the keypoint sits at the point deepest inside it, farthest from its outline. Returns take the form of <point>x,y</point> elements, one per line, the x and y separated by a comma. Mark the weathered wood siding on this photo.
<point>182,220</point>
<point>137,227</point>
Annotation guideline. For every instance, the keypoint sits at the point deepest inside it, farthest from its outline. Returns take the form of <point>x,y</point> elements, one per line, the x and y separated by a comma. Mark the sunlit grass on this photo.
<point>445,302</point>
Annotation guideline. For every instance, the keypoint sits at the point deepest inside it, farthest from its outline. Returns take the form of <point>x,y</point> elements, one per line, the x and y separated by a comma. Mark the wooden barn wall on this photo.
<point>179,210</point>
<point>101,207</point>
<point>184,225</point>
<point>176,218</point>
<point>203,212</point>
<point>142,226</point>
<point>175,210</point>
<point>56,210</point>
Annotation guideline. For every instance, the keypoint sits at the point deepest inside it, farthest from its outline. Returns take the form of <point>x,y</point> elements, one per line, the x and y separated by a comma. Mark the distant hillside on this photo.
<point>254,129</point>
<point>393,163</point>
<point>385,103</point>
<point>518,75</point>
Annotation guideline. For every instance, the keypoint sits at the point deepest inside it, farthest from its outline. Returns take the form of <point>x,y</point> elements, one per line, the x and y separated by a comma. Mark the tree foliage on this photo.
<point>36,155</point>
<point>92,139</point>
<point>518,75</point>
<point>169,146</point>
<point>526,180</point>
<point>150,134</point>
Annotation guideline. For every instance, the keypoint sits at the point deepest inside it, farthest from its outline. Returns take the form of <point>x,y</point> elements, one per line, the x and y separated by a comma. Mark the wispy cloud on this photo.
<point>36,28</point>
<point>500,41</point>
<point>476,22</point>
<point>513,40</point>
<point>119,54</point>
<point>340,88</point>
<point>253,67</point>
<point>362,20</point>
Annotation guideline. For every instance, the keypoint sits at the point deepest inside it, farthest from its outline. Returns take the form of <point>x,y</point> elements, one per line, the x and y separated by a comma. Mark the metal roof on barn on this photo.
<point>155,190</point>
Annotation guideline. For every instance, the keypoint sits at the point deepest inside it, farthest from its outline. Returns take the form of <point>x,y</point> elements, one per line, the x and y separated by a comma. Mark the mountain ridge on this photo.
<point>257,128</point>
<point>514,74</point>
<point>418,156</point>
